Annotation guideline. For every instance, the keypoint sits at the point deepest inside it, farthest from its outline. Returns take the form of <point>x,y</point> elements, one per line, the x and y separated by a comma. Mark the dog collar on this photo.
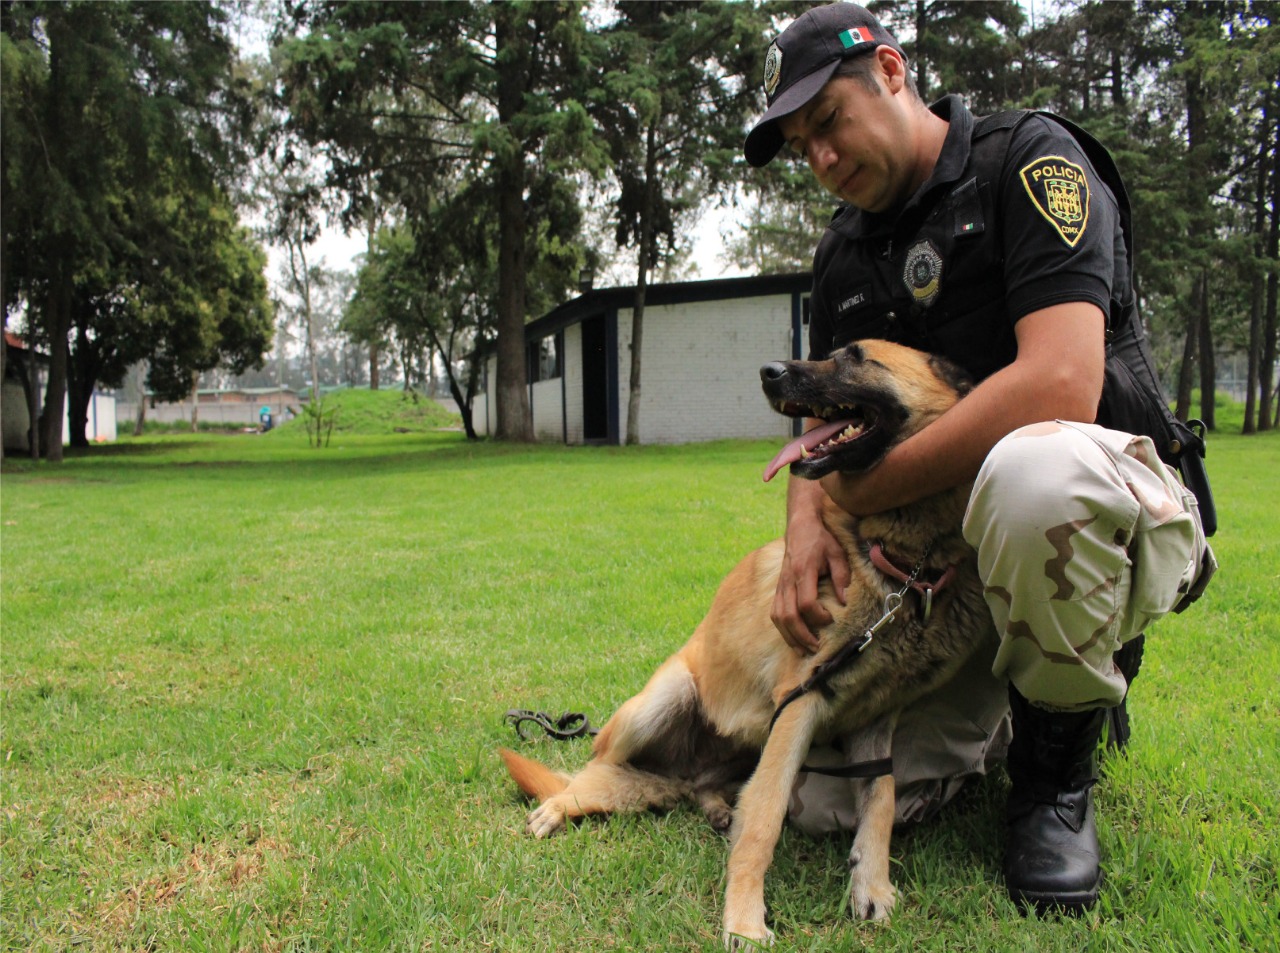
<point>887,566</point>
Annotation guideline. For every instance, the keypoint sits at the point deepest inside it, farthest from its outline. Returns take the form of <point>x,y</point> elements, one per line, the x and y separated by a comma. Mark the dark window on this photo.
<point>544,359</point>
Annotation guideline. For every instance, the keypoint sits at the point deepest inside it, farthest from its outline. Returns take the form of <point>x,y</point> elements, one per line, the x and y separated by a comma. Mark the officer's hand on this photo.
<point>811,553</point>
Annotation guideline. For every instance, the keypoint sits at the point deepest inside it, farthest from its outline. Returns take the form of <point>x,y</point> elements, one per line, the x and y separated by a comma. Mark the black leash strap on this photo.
<point>819,677</point>
<point>570,724</point>
<point>863,769</point>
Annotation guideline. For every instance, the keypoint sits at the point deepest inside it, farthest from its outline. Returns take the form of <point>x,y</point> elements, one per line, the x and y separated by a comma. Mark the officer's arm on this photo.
<point>1057,375</point>
<point>811,554</point>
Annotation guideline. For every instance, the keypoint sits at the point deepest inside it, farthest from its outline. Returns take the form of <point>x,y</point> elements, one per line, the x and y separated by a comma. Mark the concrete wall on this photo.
<point>13,405</point>
<point>701,369</point>
<point>101,420</point>
<point>548,410</point>
<point>573,383</point>
<point>228,412</point>
<point>100,428</point>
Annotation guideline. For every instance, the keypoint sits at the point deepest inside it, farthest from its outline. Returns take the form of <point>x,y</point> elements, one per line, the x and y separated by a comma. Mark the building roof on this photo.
<point>599,300</point>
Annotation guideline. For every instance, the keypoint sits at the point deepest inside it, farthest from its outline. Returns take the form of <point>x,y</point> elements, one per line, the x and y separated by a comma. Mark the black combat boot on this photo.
<point>1051,850</point>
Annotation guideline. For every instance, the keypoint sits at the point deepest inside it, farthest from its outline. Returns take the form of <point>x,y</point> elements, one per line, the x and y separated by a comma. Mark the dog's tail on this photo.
<point>536,780</point>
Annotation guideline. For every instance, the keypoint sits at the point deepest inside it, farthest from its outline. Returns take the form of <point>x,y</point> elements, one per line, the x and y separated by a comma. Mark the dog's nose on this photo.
<point>773,371</point>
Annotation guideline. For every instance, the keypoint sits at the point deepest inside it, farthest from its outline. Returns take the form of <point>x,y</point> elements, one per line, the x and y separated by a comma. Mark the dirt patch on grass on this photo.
<point>210,875</point>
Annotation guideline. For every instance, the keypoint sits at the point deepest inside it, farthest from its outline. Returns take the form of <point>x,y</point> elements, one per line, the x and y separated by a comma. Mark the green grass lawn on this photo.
<point>252,694</point>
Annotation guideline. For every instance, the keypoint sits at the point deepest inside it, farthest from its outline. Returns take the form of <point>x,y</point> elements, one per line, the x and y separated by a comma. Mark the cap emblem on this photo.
<point>772,69</point>
<point>854,35</point>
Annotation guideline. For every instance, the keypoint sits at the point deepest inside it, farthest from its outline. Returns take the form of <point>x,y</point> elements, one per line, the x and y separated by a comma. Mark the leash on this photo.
<point>822,674</point>
<point>570,724</point>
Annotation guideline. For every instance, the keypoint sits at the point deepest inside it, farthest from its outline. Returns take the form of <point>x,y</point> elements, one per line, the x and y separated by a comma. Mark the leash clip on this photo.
<point>892,603</point>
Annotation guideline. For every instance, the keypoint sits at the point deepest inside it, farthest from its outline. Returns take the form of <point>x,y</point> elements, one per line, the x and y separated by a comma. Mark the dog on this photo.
<point>737,698</point>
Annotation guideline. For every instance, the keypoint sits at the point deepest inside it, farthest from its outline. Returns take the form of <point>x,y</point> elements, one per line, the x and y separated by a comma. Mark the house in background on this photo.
<point>704,342</point>
<point>15,412</point>
<point>17,399</point>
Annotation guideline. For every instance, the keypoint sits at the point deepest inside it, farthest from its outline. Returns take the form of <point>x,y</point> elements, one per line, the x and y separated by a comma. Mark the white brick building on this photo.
<point>704,342</point>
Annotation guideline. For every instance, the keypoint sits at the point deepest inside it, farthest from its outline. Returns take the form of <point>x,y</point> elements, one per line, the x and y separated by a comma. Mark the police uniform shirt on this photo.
<point>994,234</point>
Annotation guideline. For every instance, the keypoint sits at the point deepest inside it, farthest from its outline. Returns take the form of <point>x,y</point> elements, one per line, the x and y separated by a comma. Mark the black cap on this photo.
<point>801,60</point>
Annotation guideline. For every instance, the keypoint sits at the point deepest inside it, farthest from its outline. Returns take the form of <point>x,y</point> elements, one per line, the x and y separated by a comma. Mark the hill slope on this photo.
<point>364,411</point>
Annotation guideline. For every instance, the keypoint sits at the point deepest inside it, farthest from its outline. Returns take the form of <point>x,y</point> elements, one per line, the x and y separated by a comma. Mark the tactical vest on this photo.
<point>969,323</point>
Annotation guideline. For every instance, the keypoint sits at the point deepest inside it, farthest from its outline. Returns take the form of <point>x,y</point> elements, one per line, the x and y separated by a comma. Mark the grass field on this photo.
<point>252,694</point>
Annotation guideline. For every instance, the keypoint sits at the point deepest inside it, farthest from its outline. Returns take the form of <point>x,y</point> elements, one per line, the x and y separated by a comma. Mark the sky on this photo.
<point>339,251</point>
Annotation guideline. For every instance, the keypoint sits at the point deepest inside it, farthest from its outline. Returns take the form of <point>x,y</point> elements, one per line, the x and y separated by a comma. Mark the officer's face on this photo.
<point>858,143</point>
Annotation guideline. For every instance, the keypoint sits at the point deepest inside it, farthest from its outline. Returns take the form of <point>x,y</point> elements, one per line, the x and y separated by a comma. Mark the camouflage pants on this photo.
<point>1084,538</point>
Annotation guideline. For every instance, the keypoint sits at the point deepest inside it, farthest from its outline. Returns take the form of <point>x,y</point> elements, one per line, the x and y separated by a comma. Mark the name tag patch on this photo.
<point>1059,189</point>
<point>852,300</point>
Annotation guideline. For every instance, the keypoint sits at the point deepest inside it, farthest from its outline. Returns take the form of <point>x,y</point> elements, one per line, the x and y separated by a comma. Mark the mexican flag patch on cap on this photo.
<point>855,35</point>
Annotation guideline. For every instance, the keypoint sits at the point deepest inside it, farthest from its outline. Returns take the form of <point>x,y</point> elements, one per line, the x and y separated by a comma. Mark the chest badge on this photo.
<point>922,272</point>
<point>1059,189</point>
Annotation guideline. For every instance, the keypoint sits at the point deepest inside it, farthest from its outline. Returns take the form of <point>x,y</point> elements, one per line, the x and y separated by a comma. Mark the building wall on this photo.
<point>100,425</point>
<point>16,420</point>
<point>701,369</point>
<point>701,375</point>
<point>548,411</point>
<point>229,412</point>
<point>572,363</point>
<point>482,407</point>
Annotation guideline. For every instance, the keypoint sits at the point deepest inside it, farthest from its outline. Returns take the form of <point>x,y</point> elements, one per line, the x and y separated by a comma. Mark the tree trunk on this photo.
<point>82,373</point>
<point>1258,285</point>
<point>1198,207</point>
<point>463,399</point>
<point>513,413</point>
<point>373,223</point>
<point>140,419</point>
<point>1186,372</point>
<point>33,402</point>
<point>195,401</point>
<point>1266,414</point>
<point>58,323</point>
<point>1255,348</point>
<point>922,29</point>
<point>78,397</point>
<point>1208,361</point>
<point>4,343</point>
<point>514,419</point>
<point>642,284</point>
<point>4,320</point>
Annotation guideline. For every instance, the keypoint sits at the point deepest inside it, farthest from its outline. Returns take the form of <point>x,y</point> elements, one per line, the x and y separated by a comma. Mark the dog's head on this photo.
<point>871,396</point>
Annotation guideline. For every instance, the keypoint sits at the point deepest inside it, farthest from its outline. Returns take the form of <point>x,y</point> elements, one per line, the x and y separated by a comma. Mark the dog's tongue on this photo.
<point>795,449</point>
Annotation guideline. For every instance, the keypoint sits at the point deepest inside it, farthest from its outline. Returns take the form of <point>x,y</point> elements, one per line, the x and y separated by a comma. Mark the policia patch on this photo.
<point>1059,189</point>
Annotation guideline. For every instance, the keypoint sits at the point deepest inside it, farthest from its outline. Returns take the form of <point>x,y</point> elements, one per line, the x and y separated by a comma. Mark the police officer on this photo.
<point>1002,244</point>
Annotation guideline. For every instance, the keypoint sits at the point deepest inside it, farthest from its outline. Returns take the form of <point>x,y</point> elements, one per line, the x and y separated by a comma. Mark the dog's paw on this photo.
<point>720,815</point>
<point>871,900</point>
<point>748,939</point>
<point>546,820</point>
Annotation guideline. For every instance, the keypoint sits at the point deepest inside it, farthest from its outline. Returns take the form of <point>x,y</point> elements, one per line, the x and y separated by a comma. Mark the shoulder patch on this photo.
<point>1059,189</point>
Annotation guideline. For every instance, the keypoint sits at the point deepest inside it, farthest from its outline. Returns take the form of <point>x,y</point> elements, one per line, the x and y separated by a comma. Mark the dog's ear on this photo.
<point>954,376</point>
